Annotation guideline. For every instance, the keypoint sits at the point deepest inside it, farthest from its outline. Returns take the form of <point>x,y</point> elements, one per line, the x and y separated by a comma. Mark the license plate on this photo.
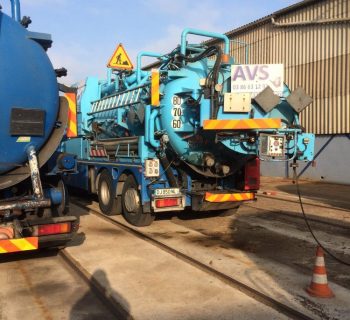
<point>166,192</point>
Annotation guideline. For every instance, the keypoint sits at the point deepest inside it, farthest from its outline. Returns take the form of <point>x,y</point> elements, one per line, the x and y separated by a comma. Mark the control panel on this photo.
<point>272,145</point>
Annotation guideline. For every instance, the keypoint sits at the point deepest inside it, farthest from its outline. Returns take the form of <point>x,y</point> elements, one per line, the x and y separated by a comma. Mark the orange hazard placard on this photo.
<point>72,129</point>
<point>120,59</point>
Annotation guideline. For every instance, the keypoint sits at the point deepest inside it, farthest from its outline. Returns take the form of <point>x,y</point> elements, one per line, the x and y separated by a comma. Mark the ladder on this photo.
<point>117,100</point>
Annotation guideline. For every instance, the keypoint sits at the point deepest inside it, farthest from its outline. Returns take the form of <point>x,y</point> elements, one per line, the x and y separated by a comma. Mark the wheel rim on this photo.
<point>131,200</point>
<point>105,195</point>
<point>63,203</point>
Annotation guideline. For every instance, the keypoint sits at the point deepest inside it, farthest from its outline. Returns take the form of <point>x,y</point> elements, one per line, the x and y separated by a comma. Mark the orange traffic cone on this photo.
<point>319,284</point>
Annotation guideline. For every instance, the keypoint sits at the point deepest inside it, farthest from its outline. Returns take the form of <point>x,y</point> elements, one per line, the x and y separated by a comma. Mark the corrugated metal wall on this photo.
<point>316,57</point>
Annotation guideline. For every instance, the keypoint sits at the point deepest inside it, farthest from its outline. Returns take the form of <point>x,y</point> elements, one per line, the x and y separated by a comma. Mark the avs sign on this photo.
<point>253,78</point>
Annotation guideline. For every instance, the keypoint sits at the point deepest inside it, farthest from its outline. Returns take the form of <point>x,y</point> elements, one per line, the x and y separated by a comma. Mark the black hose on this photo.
<point>168,171</point>
<point>308,224</point>
<point>213,76</point>
<point>206,53</point>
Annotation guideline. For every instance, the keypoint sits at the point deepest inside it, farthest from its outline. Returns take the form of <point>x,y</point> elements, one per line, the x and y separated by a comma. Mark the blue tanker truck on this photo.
<point>34,118</point>
<point>189,133</point>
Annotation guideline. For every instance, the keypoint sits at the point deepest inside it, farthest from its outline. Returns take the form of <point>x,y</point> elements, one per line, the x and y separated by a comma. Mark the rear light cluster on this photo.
<point>168,202</point>
<point>53,228</point>
<point>252,175</point>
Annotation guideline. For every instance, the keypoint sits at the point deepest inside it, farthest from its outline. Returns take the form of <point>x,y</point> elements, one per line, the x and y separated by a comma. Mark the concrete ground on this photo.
<point>266,245</point>
<point>41,286</point>
<point>326,194</point>
<point>152,284</point>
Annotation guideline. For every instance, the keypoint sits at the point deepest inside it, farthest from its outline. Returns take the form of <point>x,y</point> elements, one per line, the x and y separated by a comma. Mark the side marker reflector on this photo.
<point>16,245</point>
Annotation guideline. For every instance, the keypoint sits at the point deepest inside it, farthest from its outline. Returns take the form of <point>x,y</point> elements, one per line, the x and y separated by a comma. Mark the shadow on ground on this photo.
<point>100,286</point>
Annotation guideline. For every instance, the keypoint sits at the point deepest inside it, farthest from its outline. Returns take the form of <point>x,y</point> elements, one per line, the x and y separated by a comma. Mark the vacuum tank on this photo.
<point>29,92</point>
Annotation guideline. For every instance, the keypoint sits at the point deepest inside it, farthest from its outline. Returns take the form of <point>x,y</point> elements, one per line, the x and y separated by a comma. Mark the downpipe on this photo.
<point>149,126</point>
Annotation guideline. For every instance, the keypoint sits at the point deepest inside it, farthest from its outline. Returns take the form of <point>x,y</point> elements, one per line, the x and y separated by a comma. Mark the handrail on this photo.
<point>205,34</point>
<point>138,64</point>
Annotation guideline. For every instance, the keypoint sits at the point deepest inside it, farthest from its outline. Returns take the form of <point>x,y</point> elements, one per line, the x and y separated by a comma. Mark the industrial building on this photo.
<point>312,40</point>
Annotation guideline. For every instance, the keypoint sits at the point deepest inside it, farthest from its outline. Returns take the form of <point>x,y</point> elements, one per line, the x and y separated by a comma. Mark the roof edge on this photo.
<point>266,19</point>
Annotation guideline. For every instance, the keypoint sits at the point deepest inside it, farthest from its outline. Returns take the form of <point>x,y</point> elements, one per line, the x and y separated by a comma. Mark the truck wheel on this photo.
<point>106,194</point>
<point>63,208</point>
<point>131,202</point>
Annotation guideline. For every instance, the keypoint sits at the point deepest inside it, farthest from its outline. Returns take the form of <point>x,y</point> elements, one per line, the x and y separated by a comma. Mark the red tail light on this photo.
<point>252,175</point>
<point>54,228</point>
<point>167,202</point>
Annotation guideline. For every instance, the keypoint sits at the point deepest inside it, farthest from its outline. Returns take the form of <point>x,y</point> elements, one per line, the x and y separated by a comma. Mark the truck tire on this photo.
<point>131,203</point>
<point>106,194</point>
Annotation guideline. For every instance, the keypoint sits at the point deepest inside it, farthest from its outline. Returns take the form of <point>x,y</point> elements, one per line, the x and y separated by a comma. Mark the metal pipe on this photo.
<point>138,63</point>
<point>147,119</point>
<point>109,76</point>
<point>152,141</point>
<point>16,10</point>
<point>205,34</point>
<point>25,204</point>
<point>149,126</point>
<point>303,23</point>
<point>35,173</point>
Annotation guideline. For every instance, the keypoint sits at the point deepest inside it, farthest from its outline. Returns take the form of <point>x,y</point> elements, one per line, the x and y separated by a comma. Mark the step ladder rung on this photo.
<point>122,99</point>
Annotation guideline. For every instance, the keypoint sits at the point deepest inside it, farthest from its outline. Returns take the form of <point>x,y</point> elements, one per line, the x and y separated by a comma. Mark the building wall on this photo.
<point>330,165</point>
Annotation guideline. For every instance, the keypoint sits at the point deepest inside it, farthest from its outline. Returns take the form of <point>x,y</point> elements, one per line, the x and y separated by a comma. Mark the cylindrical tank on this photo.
<point>28,93</point>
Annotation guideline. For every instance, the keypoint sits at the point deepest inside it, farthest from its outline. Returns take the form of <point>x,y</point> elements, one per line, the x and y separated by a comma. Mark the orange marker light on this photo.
<point>54,228</point>
<point>225,59</point>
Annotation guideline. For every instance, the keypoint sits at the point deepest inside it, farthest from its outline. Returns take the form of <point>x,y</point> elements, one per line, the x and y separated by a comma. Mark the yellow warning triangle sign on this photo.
<point>120,59</point>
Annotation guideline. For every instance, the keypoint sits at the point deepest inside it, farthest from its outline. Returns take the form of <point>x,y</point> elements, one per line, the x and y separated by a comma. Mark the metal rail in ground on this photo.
<point>306,201</point>
<point>95,286</point>
<point>323,221</point>
<point>249,291</point>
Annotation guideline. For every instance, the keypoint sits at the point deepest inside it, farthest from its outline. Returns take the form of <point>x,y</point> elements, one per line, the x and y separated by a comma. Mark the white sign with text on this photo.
<point>253,78</point>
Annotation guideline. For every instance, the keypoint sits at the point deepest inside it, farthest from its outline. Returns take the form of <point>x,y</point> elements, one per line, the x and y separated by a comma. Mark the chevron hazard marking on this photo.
<point>229,197</point>
<point>242,124</point>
